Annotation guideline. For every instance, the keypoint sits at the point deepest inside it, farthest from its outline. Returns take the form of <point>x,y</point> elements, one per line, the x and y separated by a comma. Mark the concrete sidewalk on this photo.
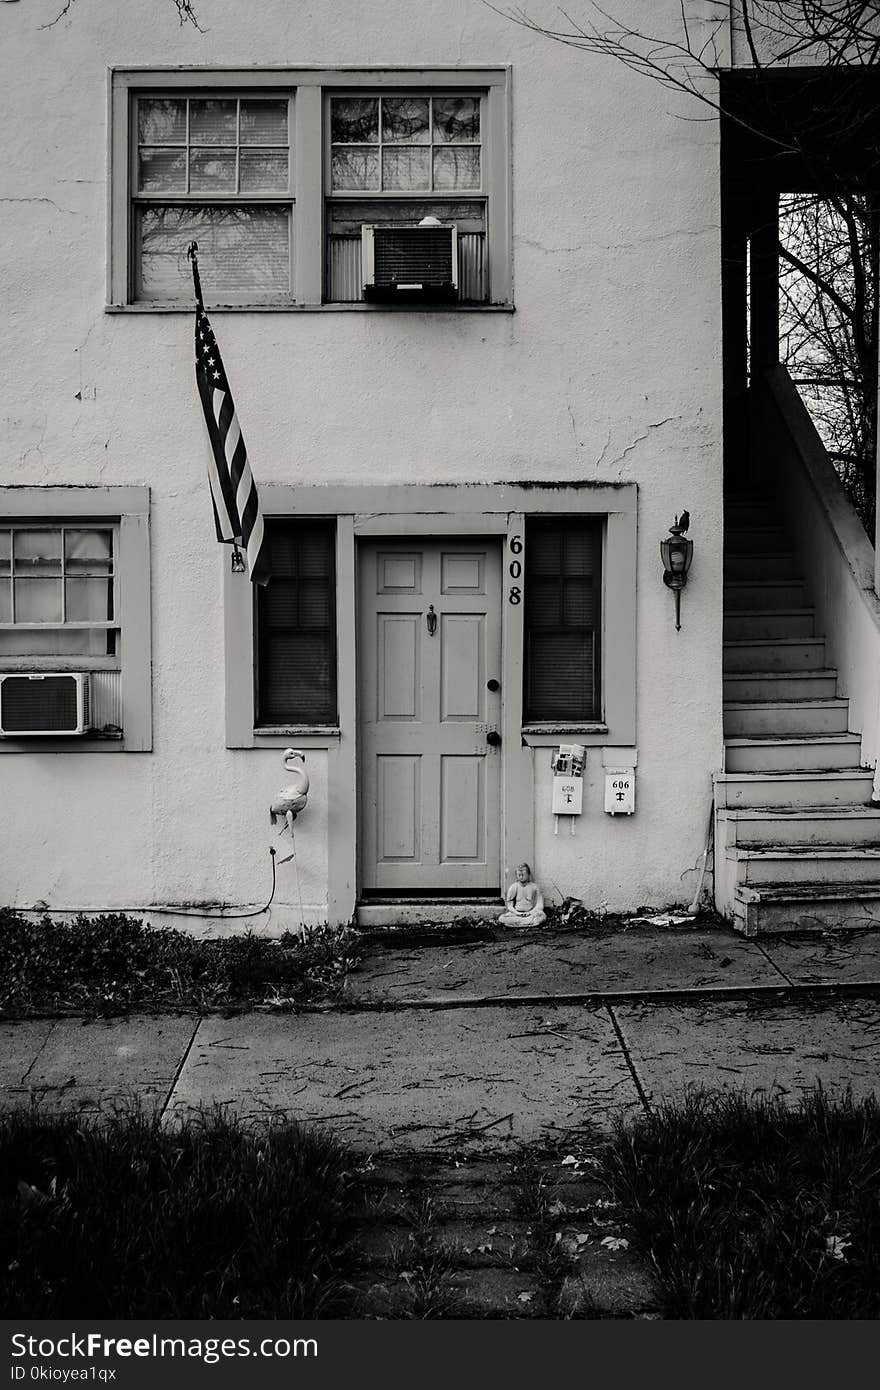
<point>483,1044</point>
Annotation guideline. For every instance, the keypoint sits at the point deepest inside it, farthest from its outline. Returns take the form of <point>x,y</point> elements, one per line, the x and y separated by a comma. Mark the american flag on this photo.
<point>237,514</point>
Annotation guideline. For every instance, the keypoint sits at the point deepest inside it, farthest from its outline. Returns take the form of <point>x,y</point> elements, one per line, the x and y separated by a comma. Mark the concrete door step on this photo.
<point>807,863</point>
<point>793,753</point>
<point>774,909</point>
<point>783,718</point>
<point>415,912</point>
<point>788,790</point>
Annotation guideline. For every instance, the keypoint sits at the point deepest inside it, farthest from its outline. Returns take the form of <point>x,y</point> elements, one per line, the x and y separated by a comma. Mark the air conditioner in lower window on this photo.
<point>42,703</point>
<point>417,264</point>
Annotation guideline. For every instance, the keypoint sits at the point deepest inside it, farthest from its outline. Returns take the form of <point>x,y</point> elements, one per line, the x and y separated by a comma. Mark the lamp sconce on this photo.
<point>676,553</point>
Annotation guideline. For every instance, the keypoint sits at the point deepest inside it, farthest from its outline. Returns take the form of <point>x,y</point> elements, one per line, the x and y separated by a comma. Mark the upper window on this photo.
<point>208,156</point>
<point>394,160</point>
<point>215,170</point>
<point>563,606</point>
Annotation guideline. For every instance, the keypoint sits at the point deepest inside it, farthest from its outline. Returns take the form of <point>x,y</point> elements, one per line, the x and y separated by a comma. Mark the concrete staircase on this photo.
<point>797,839</point>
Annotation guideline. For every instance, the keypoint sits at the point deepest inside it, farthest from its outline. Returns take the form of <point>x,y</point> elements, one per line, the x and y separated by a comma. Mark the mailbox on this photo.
<point>620,791</point>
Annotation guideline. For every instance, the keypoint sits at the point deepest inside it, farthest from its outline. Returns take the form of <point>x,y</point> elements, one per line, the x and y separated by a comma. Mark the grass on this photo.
<point>127,1220</point>
<point>113,964</point>
<point>748,1209</point>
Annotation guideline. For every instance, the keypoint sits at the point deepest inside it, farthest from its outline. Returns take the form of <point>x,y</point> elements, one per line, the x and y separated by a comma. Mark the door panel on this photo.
<point>430,783</point>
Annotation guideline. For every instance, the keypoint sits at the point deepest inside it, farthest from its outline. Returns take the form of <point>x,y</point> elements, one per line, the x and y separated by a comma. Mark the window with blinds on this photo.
<point>296,625</point>
<point>216,170</point>
<point>563,606</point>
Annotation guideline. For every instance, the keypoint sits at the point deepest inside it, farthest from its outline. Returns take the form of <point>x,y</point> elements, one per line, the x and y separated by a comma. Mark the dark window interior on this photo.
<point>563,607</point>
<point>296,625</point>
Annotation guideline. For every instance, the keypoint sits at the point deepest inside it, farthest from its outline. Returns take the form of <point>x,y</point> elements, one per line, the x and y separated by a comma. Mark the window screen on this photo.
<point>563,602</point>
<point>296,625</point>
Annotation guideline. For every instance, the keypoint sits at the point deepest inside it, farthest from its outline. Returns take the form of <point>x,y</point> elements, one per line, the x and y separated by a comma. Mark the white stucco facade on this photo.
<point>607,371</point>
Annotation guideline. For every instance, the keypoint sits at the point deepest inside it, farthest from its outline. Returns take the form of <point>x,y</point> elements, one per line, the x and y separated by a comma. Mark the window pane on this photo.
<point>38,600</point>
<point>37,552</point>
<point>581,553</point>
<point>263,171</point>
<point>212,171</point>
<point>88,552</point>
<point>354,120</point>
<point>405,119</point>
<point>89,600</point>
<point>161,121</point>
<point>561,684</point>
<point>580,603</point>
<point>244,253</point>
<point>213,122</point>
<point>314,603</point>
<point>5,601</point>
<point>456,168</point>
<point>5,551</point>
<point>545,553</point>
<point>81,641</point>
<point>355,168</point>
<point>264,122</point>
<point>405,169</point>
<point>162,171</point>
<point>298,680</point>
<point>456,118</point>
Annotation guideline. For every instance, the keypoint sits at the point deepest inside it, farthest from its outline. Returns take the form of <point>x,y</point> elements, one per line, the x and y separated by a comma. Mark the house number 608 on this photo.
<point>514,569</point>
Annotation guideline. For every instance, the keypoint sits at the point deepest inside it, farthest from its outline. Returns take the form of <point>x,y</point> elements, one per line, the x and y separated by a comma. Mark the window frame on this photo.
<point>570,524</point>
<point>326,524</point>
<point>127,511</point>
<point>309,88</point>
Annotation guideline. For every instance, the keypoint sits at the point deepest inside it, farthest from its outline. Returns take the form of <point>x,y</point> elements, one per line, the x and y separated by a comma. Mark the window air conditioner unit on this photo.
<point>44,703</point>
<point>416,264</point>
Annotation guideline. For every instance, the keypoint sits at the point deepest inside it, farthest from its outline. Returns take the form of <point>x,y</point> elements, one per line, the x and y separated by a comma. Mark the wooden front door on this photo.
<point>429,639</point>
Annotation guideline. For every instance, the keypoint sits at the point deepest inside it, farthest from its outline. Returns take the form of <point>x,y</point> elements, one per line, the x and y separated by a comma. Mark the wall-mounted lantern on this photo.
<point>676,553</point>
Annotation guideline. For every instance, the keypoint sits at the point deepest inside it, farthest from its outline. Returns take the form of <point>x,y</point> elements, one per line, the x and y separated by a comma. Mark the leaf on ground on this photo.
<point>614,1243</point>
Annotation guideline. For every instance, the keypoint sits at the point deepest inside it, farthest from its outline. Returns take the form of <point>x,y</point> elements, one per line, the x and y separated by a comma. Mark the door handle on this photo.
<point>493,738</point>
<point>493,685</point>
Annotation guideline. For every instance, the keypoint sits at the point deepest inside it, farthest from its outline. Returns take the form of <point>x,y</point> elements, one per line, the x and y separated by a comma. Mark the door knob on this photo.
<point>493,738</point>
<point>493,685</point>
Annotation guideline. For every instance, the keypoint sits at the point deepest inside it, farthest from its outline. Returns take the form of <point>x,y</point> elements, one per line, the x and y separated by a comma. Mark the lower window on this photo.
<point>563,606</point>
<point>296,625</point>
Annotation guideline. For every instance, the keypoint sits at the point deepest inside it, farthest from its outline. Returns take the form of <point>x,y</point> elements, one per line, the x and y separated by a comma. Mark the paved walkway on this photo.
<point>482,1044</point>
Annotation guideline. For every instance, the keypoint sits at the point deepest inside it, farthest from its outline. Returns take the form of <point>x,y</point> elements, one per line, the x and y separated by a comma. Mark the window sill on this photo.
<point>551,735</point>
<point>297,736</point>
<point>92,742</point>
<point>312,308</point>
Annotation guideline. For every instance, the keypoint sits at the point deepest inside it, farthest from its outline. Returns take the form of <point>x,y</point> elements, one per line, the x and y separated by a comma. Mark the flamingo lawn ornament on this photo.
<point>292,798</point>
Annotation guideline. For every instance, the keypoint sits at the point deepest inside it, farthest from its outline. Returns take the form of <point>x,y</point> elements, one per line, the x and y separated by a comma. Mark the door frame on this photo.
<point>455,510</point>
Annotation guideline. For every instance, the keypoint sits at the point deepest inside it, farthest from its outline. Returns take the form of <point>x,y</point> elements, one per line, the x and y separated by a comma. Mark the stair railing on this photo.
<point>835,555</point>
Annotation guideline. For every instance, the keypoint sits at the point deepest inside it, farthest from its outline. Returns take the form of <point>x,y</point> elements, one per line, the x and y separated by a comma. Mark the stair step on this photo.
<point>744,513</point>
<point>774,909</point>
<point>753,623</point>
<point>743,540</point>
<point>799,789</point>
<point>740,594</point>
<point>775,654</point>
<point>823,864</point>
<point>801,825</point>
<point>796,753</point>
<point>760,565</point>
<point>740,687</point>
<point>771,718</point>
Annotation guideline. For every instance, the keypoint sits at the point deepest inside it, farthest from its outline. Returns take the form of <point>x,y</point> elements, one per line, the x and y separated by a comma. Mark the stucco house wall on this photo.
<point>607,371</point>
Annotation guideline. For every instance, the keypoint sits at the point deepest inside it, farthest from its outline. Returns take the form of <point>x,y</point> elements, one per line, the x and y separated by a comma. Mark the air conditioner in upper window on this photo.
<point>42,703</point>
<point>417,264</point>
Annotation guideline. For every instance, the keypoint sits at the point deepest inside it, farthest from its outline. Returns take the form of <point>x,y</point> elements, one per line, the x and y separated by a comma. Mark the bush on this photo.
<point>748,1209</point>
<point>127,1220</point>
<point>112,963</point>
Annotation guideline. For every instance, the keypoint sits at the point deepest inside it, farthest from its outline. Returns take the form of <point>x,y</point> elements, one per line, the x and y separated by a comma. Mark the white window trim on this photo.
<point>128,510</point>
<point>308,86</point>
